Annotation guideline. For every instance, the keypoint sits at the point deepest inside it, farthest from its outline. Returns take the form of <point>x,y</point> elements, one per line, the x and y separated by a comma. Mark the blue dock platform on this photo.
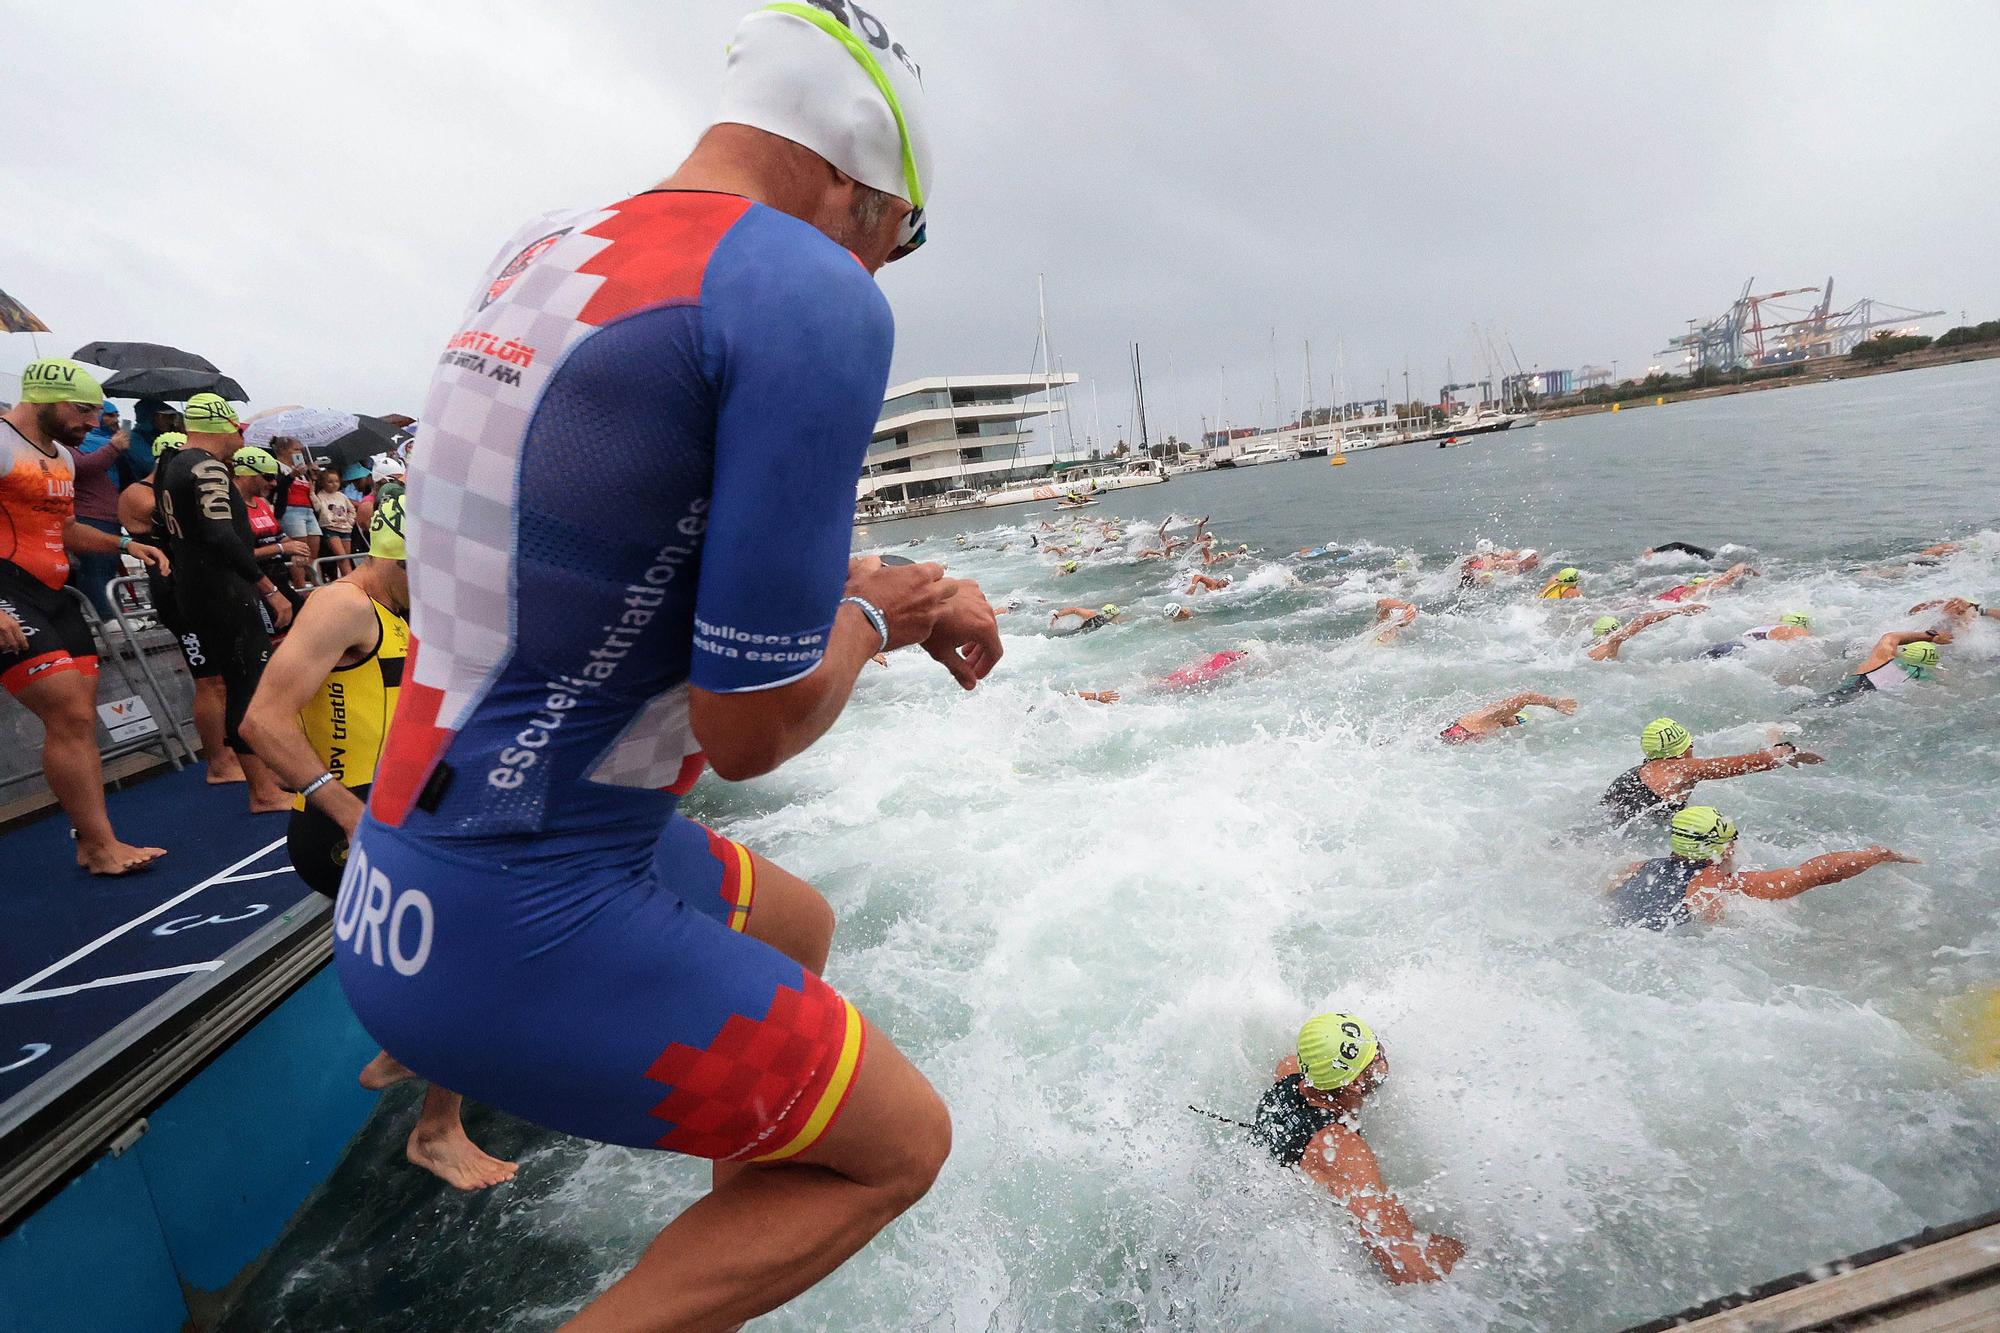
<point>176,1062</point>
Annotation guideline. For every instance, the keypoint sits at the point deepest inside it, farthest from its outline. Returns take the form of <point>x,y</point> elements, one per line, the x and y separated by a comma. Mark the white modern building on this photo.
<point>960,432</point>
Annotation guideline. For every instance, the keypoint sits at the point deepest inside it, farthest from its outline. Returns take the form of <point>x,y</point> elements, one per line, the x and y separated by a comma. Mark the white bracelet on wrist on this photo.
<point>875,618</point>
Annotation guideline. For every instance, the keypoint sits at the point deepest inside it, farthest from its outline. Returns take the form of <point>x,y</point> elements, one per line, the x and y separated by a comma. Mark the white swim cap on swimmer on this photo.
<point>829,76</point>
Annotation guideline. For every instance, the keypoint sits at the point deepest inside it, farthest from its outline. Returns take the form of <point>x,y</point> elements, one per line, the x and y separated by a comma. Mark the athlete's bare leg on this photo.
<point>266,795</point>
<point>790,915</point>
<point>211,703</point>
<point>66,703</point>
<point>384,1071</point>
<point>771,1231</point>
<point>439,1145</point>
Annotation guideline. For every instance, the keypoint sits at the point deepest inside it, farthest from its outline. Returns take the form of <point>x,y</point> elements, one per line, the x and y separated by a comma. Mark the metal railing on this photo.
<point>129,600</point>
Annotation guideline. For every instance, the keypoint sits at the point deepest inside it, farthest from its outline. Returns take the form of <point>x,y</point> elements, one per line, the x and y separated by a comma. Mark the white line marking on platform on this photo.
<point>22,997</point>
<point>18,989</point>
<point>255,874</point>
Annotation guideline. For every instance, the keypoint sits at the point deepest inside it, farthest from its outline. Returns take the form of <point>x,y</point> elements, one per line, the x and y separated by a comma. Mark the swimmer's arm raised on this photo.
<point>1886,646</point>
<point>1341,1161</point>
<point>1830,868</point>
<point>1514,703</point>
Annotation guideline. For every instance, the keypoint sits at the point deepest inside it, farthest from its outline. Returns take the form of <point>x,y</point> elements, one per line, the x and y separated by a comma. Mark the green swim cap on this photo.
<point>252,461</point>
<point>1700,833</point>
<point>1069,566</point>
<point>1603,625</point>
<point>1665,738</point>
<point>55,379</point>
<point>1334,1049</point>
<point>1923,656</point>
<point>1697,580</point>
<point>1799,618</point>
<point>167,441</point>
<point>210,414</point>
<point>385,531</point>
<point>1568,576</point>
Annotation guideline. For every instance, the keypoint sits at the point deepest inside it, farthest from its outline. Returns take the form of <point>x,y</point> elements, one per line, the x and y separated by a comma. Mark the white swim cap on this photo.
<point>1173,610</point>
<point>1482,546</point>
<point>828,76</point>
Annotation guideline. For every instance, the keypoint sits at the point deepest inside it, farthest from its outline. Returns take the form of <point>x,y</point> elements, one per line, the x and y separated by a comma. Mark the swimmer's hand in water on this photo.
<point>1794,756</point>
<point>1890,856</point>
<point>1567,707</point>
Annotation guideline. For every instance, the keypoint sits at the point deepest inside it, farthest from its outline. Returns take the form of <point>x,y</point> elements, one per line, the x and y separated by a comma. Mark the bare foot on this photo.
<point>445,1152</point>
<point>221,771</point>
<point>117,858</point>
<point>384,1071</point>
<point>269,803</point>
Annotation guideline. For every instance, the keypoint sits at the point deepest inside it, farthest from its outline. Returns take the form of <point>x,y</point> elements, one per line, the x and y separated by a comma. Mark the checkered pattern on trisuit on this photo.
<point>461,497</point>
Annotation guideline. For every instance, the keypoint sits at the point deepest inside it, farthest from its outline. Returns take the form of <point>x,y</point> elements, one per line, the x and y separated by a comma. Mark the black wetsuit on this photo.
<point>1629,798</point>
<point>1286,1122</point>
<point>1685,549</point>
<point>1656,895</point>
<point>215,575</point>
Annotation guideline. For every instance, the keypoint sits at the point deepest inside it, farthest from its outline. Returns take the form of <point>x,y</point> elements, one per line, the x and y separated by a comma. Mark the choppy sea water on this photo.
<point>1077,918</point>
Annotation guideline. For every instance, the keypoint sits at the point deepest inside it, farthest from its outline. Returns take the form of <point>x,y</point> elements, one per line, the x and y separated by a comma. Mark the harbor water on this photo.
<point>1080,918</point>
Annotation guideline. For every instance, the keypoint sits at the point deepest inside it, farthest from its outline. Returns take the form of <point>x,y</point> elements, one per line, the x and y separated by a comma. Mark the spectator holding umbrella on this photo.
<point>296,515</point>
<point>48,659</point>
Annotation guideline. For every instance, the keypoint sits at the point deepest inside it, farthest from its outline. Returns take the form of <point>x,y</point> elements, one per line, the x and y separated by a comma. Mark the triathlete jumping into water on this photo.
<point>1307,1120</point>
<point>629,558</point>
<point>1653,791</point>
<point>1689,884</point>
<point>1496,718</point>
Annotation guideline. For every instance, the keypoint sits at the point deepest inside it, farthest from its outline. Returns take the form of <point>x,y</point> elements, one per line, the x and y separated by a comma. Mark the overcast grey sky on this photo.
<point>307,193</point>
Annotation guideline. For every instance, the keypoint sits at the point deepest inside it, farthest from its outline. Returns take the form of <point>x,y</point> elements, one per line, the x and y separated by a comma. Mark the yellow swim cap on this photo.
<point>210,414</point>
<point>55,379</point>
<point>1334,1050</point>
<point>250,460</point>
<point>385,530</point>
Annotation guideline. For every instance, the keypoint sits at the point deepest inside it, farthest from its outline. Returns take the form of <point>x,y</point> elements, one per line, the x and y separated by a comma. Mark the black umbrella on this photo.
<point>371,436</point>
<point>141,356</point>
<point>176,385</point>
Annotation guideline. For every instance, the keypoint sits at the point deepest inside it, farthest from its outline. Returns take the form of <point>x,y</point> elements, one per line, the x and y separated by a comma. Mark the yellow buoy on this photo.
<point>1614,407</point>
<point>1336,460</point>
<point>1975,1023</point>
<point>1659,402</point>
